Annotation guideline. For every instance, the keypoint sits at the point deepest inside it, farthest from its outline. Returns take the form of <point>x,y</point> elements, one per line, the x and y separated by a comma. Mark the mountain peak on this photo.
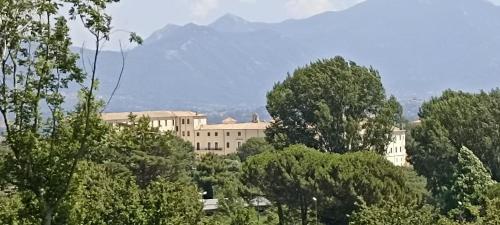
<point>233,23</point>
<point>230,18</point>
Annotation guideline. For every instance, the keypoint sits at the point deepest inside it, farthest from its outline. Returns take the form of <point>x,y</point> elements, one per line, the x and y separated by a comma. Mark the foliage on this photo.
<point>465,119</point>
<point>396,214</point>
<point>99,196</point>
<point>217,175</point>
<point>151,154</point>
<point>470,182</point>
<point>292,178</point>
<point>253,146</point>
<point>171,203</point>
<point>328,104</point>
<point>37,67</point>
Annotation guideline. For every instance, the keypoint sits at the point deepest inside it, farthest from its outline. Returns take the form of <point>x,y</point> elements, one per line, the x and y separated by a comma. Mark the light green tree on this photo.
<point>36,68</point>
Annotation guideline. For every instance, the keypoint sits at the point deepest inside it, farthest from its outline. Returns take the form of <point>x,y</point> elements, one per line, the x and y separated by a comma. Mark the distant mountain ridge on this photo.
<point>420,48</point>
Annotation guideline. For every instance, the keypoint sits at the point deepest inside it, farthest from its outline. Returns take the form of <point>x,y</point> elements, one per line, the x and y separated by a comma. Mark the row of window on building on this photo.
<point>158,123</point>
<point>216,134</point>
<point>216,146</point>
<point>396,149</point>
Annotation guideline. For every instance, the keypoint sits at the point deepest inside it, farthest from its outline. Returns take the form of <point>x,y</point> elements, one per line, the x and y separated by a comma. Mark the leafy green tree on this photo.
<point>294,177</point>
<point>101,196</point>
<point>466,120</point>
<point>287,178</point>
<point>151,154</point>
<point>395,214</point>
<point>218,174</point>
<point>328,104</point>
<point>253,146</point>
<point>470,183</point>
<point>456,177</point>
<point>171,203</point>
<point>364,178</point>
<point>36,67</point>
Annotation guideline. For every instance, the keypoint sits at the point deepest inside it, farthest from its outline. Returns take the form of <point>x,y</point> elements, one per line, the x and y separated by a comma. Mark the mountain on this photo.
<point>420,48</point>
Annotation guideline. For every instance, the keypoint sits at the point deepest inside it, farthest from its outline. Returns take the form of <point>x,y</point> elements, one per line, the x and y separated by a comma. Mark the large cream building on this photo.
<point>226,138</point>
<point>221,139</point>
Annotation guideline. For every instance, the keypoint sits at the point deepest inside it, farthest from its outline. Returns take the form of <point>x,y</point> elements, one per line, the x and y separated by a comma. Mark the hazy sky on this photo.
<point>147,16</point>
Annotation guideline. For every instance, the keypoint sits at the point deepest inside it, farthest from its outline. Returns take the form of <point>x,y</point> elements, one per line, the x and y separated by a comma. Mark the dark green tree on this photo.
<point>465,119</point>
<point>253,146</point>
<point>393,213</point>
<point>151,154</point>
<point>327,104</point>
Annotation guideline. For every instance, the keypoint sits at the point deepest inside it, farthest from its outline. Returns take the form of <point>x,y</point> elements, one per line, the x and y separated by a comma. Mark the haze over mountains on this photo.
<point>420,47</point>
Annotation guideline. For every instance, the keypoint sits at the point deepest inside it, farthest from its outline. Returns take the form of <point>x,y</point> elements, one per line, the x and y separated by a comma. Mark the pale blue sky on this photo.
<point>147,16</point>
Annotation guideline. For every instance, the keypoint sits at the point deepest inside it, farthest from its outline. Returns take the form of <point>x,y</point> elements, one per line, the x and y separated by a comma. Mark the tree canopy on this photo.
<point>332,105</point>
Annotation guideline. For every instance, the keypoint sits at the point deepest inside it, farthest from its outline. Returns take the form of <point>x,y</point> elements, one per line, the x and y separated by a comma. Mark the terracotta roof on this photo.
<point>151,114</point>
<point>236,126</point>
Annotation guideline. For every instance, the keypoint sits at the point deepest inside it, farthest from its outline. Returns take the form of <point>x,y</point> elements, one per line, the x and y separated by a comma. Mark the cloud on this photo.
<point>200,9</point>
<point>496,2</point>
<point>305,8</point>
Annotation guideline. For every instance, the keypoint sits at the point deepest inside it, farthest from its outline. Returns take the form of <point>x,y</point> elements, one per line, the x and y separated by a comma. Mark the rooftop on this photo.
<point>150,114</point>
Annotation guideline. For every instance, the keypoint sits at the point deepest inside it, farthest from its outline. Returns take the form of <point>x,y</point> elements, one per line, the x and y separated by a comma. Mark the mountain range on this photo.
<point>420,48</point>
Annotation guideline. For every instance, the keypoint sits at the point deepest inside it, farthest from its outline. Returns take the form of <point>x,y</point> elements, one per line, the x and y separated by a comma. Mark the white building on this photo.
<point>396,150</point>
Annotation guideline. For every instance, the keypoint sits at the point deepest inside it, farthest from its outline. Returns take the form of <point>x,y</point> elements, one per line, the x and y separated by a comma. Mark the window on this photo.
<point>183,121</point>
<point>197,134</point>
<point>227,145</point>
<point>239,144</point>
<point>208,134</point>
<point>183,133</point>
<point>176,128</point>
<point>216,145</point>
<point>390,151</point>
<point>239,134</point>
<point>189,133</point>
<point>188,121</point>
<point>208,145</point>
<point>216,134</point>
<point>228,134</point>
<point>198,146</point>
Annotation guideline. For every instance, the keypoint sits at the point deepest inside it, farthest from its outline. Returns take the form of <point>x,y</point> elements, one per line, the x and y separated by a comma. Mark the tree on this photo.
<point>334,106</point>
<point>288,178</point>
<point>217,174</point>
<point>99,195</point>
<point>253,146</point>
<point>470,183</point>
<point>466,120</point>
<point>171,203</point>
<point>394,213</point>
<point>151,154</point>
<point>36,67</point>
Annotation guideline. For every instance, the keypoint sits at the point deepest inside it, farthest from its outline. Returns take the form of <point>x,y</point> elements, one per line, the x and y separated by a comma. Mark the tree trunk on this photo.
<point>47,217</point>
<point>303,215</point>
<point>281,217</point>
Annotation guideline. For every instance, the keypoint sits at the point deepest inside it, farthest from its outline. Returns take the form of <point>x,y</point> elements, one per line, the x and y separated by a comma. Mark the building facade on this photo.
<point>227,137</point>
<point>396,150</point>
<point>220,139</point>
